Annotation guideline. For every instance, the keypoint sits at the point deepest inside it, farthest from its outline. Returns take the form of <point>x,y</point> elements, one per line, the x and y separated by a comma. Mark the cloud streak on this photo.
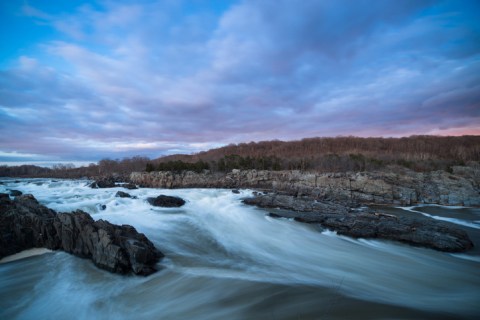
<point>156,77</point>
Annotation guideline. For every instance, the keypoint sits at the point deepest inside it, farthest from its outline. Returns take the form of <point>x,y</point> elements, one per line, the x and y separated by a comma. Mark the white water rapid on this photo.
<point>226,260</point>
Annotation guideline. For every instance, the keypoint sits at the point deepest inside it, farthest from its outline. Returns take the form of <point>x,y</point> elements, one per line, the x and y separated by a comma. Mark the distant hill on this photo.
<point>421,153</point>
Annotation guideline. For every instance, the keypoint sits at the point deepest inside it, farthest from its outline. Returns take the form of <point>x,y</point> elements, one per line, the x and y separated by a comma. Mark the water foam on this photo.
<point>215,238</point>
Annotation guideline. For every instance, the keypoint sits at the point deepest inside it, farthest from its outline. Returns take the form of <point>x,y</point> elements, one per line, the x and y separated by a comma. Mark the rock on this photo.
<point>417,231</point>
<point>303,204</point>
<point>166,201</point>
<point>15,193</point>
<point>24,224</point>
<point>274,215</point>
<point>236,191</point>
<point>129,186</point>
<point>121,194</point>
<point>103,184</point>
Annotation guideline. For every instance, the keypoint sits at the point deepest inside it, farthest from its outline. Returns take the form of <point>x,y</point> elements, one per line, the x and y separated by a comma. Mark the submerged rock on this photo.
<point>166,201</point>
<point>417,231</point>
<point>236,191</point>
<point>24,224</point>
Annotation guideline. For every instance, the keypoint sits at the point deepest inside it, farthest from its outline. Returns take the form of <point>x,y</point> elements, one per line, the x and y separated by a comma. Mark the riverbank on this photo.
<point>405,188</point>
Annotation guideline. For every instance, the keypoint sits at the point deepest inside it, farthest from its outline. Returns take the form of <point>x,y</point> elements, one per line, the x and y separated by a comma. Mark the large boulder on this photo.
<point>24,224</point>
<point>166,201</point>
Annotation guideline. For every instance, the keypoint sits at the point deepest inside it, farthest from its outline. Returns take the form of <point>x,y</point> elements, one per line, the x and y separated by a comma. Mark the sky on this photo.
<point>86,80</point>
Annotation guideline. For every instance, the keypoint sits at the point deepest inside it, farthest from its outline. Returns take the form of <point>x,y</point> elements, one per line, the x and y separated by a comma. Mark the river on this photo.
<point>226,260</point>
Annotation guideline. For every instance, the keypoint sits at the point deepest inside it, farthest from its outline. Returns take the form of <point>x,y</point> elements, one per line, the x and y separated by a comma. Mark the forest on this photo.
<point>339,154</point>
<point>419,153</point>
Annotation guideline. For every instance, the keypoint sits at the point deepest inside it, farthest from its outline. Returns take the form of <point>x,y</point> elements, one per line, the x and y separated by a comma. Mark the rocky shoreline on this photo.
<point>25,224</point>
<point>461,187</point>
<point>330,200</point>
<point>348,219</point>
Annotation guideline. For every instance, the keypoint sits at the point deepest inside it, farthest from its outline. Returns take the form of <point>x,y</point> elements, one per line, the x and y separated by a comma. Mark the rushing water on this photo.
<point>226,260</point>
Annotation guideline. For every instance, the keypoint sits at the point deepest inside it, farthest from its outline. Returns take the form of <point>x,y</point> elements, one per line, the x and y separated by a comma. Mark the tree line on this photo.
<point>340,154</point>
<point>105,167</point>
<point>420,153</point>
<point>178,166</point>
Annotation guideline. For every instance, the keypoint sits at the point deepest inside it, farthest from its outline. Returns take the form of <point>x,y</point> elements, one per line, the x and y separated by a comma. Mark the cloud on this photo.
<point>155,77</point>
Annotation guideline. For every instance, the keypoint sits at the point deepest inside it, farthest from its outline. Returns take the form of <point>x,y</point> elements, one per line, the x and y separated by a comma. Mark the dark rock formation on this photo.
<point>24,224</point>
<point>166,201</point>
<point>129,186</point>
<point>15,193</point>
<point>302,204</point>
<point>236,191</point>
<point>418,231</point>
<point>121,194</point>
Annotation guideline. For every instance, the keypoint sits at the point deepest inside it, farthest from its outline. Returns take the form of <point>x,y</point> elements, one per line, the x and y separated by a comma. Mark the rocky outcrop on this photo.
<point>166,201</point>
<point>24,224</point>
<point>406,187</point>
<point>345,220</point>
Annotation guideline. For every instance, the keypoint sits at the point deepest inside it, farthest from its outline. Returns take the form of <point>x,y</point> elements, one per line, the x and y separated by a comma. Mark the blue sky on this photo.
<point>84,80</point>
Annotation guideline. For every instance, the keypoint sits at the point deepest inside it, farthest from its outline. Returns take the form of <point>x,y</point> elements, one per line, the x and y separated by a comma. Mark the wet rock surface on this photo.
<point>105,183</point>
<point>121,194</point>
<point>346,219</point>
<point>166,201</point>
<point>303,204</point>
<point>24,224</point>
